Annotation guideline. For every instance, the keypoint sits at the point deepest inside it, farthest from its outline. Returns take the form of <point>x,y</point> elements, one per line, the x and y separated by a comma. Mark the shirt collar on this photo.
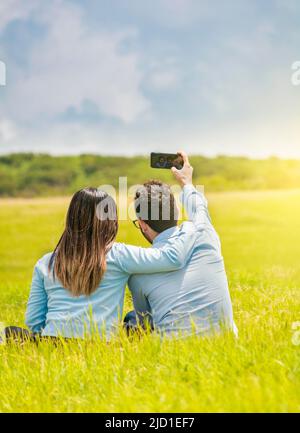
<point>163,236</point>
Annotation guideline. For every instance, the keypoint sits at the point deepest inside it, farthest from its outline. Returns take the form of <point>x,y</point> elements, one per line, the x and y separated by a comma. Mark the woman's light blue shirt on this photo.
<point>53,311</point>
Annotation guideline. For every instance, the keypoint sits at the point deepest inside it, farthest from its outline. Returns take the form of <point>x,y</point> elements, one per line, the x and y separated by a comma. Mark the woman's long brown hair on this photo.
<point>91,227</point>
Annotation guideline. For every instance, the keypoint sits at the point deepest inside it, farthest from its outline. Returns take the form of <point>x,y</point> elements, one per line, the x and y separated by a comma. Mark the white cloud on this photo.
<point>15,9</point>
<point>174,14</point>
<point>238,100</point>
<point>164,80</point>
<point>72,65</point>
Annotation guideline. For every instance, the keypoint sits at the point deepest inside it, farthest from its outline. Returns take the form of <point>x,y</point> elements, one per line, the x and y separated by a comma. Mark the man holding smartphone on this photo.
<point>194,299</point>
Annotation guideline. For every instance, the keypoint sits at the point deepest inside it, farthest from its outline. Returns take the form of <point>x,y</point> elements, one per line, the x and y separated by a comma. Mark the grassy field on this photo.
<point>260,233</point>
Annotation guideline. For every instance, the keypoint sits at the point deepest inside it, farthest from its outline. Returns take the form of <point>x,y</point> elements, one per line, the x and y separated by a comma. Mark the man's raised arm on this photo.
<point>194,202</point>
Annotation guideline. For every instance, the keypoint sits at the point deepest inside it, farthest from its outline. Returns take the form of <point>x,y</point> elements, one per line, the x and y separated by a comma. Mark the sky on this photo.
<point>130,77</point>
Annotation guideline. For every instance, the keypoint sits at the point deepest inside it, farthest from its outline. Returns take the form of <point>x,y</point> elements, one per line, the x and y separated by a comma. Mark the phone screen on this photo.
<point>166,160</point>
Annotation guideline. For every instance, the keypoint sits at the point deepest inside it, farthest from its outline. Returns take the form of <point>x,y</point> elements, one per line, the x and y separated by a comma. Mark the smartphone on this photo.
<point>166,160</point>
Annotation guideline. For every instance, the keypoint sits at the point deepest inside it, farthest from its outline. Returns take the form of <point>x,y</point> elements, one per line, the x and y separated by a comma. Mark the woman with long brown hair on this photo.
<point>79,287</point>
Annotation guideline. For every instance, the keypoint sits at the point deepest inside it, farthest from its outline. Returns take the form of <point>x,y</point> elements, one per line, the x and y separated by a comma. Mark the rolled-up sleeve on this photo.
<point>195,205</point>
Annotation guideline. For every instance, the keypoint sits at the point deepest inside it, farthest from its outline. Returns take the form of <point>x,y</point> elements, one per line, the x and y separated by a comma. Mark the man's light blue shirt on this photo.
<point>52,310</point>
<point>195,298</point>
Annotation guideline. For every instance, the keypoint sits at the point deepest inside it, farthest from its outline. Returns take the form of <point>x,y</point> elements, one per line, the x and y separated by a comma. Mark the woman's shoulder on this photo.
<point>43,263</point>
<point>117,253</point>
<point>114,252</point>
<point>121,248</point>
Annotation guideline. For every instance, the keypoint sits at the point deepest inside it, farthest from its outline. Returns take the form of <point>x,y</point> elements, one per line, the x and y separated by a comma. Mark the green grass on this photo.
<point>260,233</point>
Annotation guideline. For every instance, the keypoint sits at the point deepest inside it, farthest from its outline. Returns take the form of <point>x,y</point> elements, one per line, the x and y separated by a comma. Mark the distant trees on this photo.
<point>28,174</point>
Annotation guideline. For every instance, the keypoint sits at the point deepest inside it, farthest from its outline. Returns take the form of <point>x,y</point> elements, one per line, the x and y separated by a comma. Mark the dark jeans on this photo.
<point>133,323</point>
<point>15,334</point>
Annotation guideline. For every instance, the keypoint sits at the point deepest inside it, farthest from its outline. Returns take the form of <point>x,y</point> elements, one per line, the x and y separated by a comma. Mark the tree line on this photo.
<point>29,174</point>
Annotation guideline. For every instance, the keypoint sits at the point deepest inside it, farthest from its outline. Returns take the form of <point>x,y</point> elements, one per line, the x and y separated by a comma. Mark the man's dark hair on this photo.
<point>155,204</point>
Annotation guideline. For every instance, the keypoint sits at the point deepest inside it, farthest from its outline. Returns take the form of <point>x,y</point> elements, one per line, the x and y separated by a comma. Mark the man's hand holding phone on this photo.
<point>185,175</point>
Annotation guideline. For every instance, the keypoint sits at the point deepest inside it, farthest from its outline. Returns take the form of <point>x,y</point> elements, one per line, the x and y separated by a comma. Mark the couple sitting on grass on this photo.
<point>179,285</point>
